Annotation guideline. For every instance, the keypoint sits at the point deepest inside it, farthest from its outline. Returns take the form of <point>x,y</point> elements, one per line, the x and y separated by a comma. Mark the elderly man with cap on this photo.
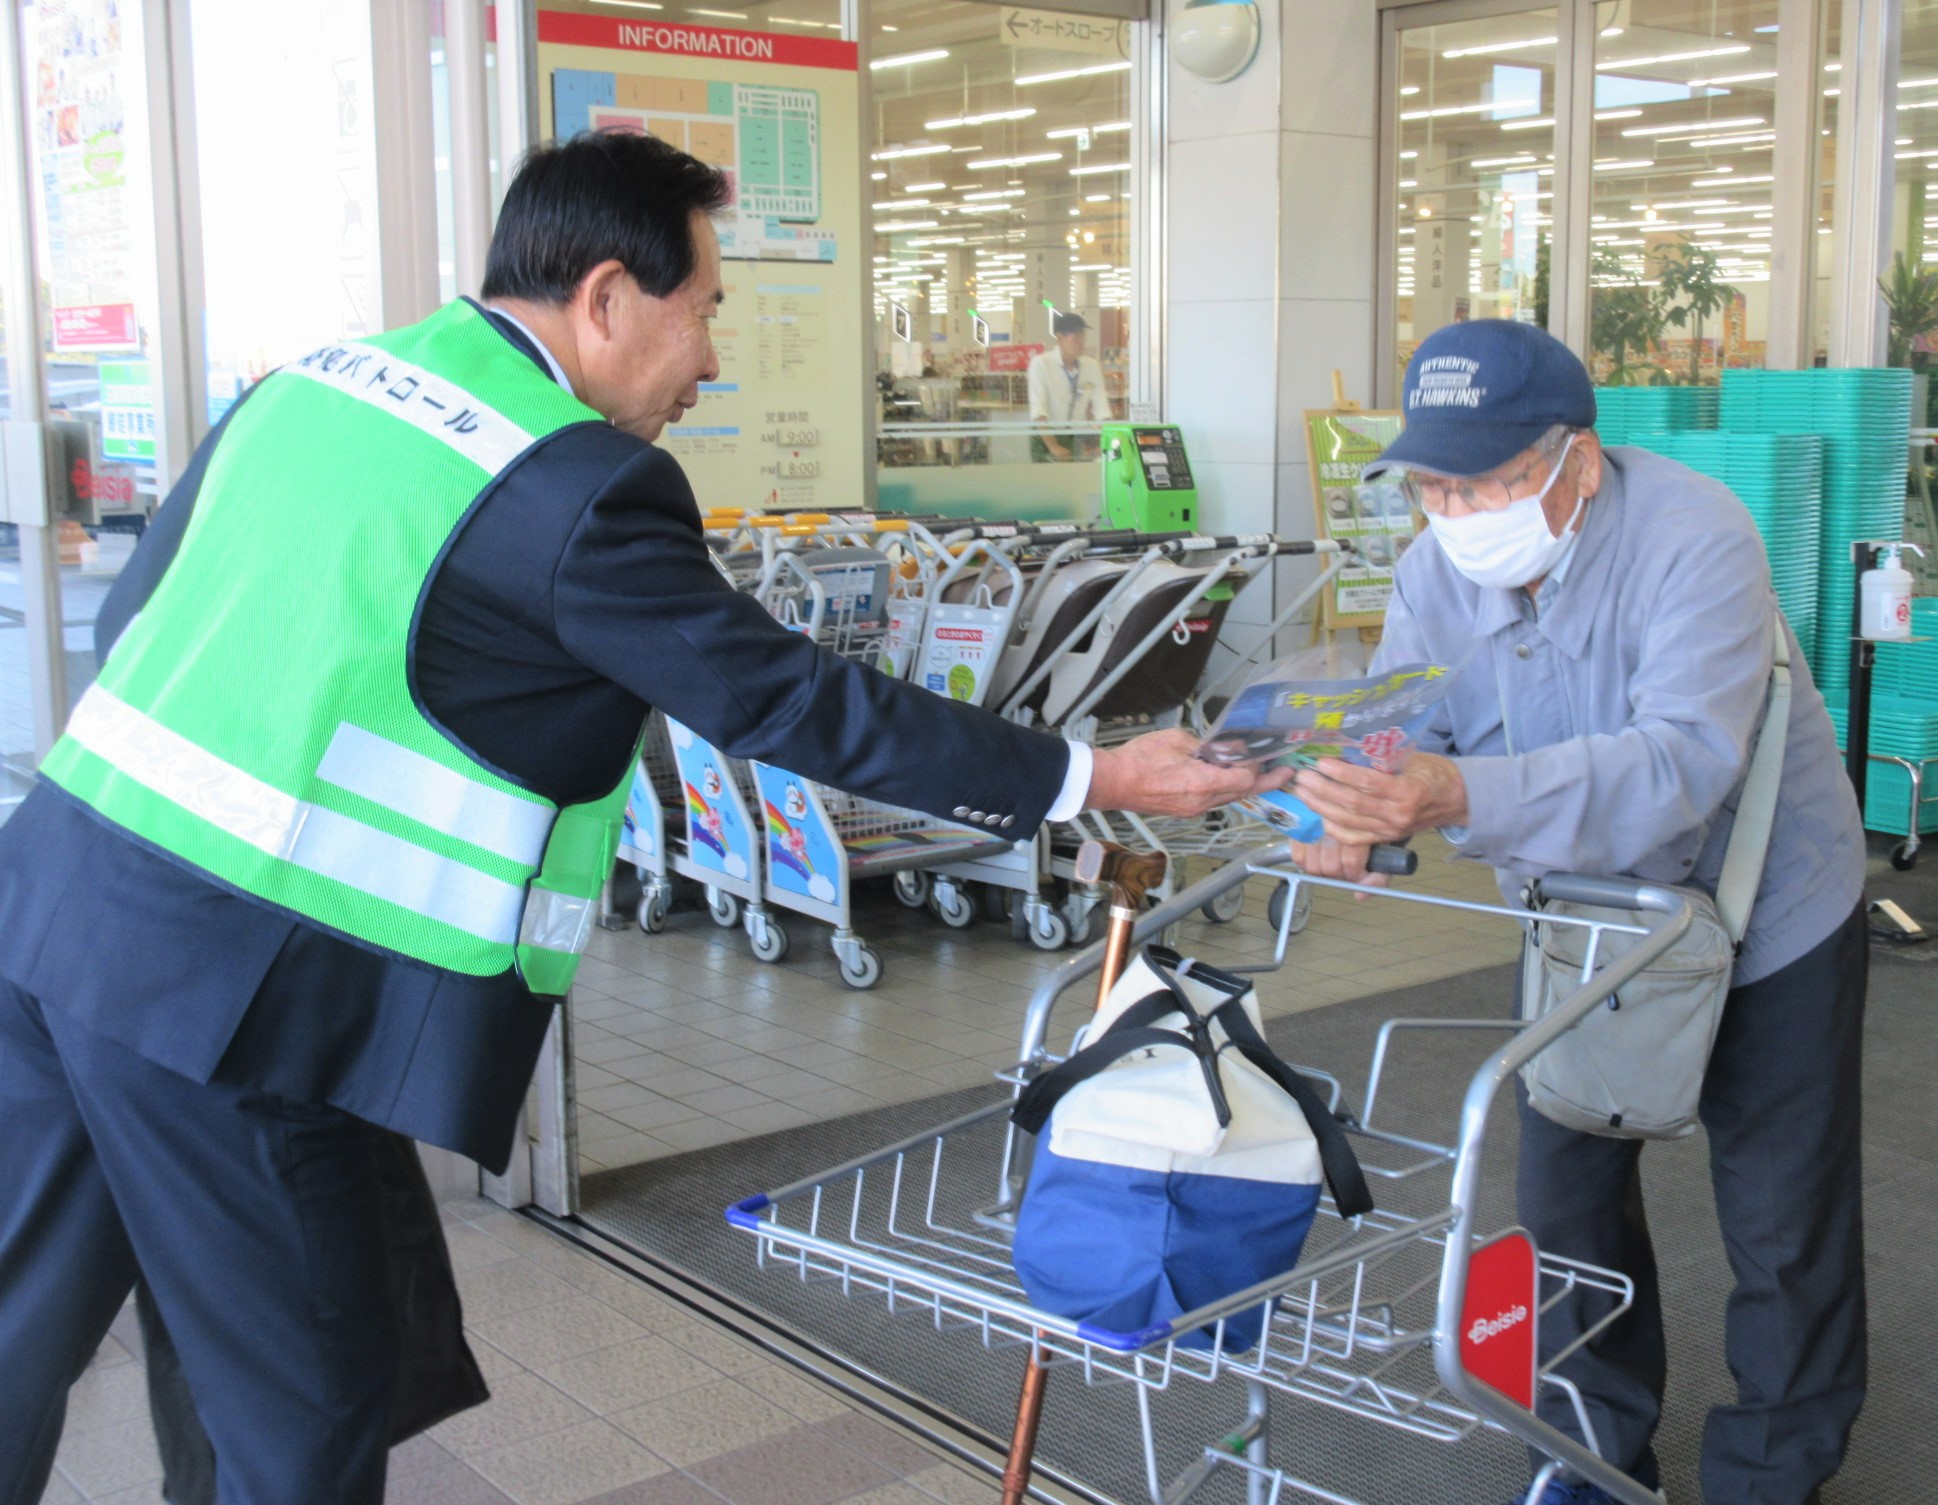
<point>1066,386</point>
<point>1614,612</point>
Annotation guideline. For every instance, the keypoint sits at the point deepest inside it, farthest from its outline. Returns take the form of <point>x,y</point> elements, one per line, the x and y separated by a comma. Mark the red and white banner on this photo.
<point>1013,357</point>
<point>1498,1318</point>
<point>568,28</point>
<point>96,326</point>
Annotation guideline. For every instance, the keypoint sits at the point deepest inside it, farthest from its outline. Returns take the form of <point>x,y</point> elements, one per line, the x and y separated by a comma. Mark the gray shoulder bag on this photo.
<point>1634,1070</point>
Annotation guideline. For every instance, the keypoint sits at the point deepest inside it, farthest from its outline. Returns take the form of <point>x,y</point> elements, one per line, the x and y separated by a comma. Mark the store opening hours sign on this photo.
<point>1498,1320</point>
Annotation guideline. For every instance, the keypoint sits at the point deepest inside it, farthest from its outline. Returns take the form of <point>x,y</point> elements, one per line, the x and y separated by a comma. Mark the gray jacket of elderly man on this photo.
<point>1607,726</point>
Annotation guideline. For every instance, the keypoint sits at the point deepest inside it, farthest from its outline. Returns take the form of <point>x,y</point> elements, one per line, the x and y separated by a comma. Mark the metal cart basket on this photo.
<point>1375,1320</point>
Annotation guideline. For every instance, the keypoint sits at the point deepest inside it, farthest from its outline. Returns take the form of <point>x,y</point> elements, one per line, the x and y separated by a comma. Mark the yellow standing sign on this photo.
<point>1374,518</point>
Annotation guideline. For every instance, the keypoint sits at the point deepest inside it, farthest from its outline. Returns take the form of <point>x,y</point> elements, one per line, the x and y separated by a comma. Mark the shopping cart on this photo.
<point>818,840</point>
<point>1411,1320</point>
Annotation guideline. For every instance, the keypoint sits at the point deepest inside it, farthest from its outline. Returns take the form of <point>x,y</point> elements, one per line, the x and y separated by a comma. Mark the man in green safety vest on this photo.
<point>321,845</point>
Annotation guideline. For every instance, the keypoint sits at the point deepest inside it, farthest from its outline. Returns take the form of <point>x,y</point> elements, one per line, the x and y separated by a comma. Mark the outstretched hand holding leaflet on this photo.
<point>1358,781</point>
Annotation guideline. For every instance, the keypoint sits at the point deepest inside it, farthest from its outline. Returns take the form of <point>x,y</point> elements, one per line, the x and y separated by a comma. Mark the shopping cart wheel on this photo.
<point>1301,916</point>
<point>769,940</point>
<point>912,889</point>
<point>1223,908</point>
<point>952,906</point>
<point>1049,931</point>
<point>1904,856</point>
<point>864,970</point>
<point>724,908</point>
<point>652,911</point>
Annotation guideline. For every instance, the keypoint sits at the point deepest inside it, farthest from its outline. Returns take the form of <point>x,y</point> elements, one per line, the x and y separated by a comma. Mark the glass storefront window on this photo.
<point>1680,209</point>
<point>1476,180</point>
<point>1001,194</point>
<point>289,215</point>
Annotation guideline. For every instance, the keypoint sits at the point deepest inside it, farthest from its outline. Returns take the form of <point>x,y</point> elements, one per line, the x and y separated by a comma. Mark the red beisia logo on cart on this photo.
<point>1497,1320</point>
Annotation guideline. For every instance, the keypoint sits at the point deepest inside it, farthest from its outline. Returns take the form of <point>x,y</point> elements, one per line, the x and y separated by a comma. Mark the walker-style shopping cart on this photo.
<point>1417,1320</point>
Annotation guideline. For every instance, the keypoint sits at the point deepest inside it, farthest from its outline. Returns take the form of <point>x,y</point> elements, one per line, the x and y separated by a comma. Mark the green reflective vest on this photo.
<point>258,720</point>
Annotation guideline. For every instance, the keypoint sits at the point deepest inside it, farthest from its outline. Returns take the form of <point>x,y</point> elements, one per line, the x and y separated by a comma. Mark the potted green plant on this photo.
<point>1692,291</point>
<point>1911,300</point>
<point>1626,314</point>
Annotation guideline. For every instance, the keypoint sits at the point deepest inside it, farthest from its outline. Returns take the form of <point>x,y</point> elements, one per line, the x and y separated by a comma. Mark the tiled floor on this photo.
<point>601,1392</point>
<point>683,1040</point>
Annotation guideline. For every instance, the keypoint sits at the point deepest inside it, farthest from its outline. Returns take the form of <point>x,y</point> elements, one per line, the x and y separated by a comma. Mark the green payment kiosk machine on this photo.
<point>1147,479</point>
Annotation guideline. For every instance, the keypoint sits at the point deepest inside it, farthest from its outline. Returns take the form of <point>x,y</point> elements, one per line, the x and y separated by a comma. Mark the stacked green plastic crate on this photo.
<point>1779,478</point>
<point>1863,417</point>
<point>1623,412</point>
<point>1904,724</point>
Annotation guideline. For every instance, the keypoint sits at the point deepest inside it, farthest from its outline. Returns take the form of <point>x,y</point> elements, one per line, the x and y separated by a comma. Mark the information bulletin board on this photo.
<point>1340,442</point>
<point>783,426</point>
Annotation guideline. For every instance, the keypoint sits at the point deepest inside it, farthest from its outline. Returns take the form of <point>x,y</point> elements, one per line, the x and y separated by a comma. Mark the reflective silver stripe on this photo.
<point>320,841</point>
<point>389,867</point>
<point>556,922</point>
<point>439,408</point>
<point>392,775</point>
<point>187,775</point>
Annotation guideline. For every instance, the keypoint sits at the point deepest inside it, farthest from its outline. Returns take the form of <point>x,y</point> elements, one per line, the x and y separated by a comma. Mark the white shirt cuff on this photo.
<point>1076,782</point>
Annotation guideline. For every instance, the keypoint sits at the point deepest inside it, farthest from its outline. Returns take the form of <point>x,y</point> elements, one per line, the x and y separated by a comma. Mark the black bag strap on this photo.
<point>1135,1029</point>
<point>1349,1190</point>
<point>1131,1031</point>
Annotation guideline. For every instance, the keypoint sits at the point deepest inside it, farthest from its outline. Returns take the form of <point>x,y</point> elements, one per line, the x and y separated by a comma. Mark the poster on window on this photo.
<point>1373,517</point>
<point>80,159</point>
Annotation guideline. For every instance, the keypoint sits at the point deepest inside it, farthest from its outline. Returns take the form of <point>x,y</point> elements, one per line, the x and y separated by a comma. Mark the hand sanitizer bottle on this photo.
<point>1884,614</point>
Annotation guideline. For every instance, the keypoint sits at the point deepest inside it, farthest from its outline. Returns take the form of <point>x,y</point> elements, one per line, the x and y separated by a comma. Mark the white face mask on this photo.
<point>1508,548</point>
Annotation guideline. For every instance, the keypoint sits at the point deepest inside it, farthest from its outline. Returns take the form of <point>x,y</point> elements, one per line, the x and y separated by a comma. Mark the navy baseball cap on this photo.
<point>1480,392</point>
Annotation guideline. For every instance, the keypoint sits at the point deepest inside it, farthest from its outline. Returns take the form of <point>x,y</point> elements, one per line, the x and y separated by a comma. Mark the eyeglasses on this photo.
<point>1491,492</point>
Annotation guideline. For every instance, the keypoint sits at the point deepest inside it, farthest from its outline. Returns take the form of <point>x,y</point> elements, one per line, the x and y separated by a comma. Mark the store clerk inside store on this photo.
<point>1067,386</point>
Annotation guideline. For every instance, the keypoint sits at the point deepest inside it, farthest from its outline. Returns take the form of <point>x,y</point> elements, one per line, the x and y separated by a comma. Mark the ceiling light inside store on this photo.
<point>892,226</point>
<point>988,162</point>
<point>877,176</point>
<point>1051,78</point>
<point>1697,127</point>
<point>895,152</point>
<point>1501,47</point>
<point>1527,125</point>
<point>995,193</point>
<point>724,15</point>
<point>1098,198</point>
<point>1616,114</point>
<point>903,60</point>
<point>1730,78</point>
<point>1672,57</point>
<point>1080,172</point>
<point>1613,166</point>
<point>1407,89</point>
<point>633,4</point>
<point>901,204</point>
<point>962,120</point>
<point>1521,161</point>
<point>923,187</point>
<point>1498,108</point>
<point>1094,266</point>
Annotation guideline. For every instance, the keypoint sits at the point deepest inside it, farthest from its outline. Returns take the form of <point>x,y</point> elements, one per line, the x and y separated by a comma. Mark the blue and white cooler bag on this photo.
<point>1183,1159</point>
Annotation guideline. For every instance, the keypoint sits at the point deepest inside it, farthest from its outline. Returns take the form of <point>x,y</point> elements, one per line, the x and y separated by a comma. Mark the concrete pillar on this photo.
<point>1269,216</point>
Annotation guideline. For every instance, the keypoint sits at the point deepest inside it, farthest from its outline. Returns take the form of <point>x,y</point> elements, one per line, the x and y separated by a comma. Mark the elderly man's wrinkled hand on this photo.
<point>1328,859</point>
<point>1160,773</point>
<point>1365,806</point>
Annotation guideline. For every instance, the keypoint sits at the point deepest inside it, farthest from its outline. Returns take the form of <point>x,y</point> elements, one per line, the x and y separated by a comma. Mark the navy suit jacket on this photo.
<point>577,594</point>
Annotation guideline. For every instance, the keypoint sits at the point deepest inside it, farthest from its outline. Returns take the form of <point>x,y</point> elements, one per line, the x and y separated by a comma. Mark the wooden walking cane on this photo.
<point>1130,875</point>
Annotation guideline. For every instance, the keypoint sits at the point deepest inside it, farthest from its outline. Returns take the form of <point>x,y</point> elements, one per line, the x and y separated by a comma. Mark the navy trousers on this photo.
<point>257,1223</point>
<point>1782,1108</point>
